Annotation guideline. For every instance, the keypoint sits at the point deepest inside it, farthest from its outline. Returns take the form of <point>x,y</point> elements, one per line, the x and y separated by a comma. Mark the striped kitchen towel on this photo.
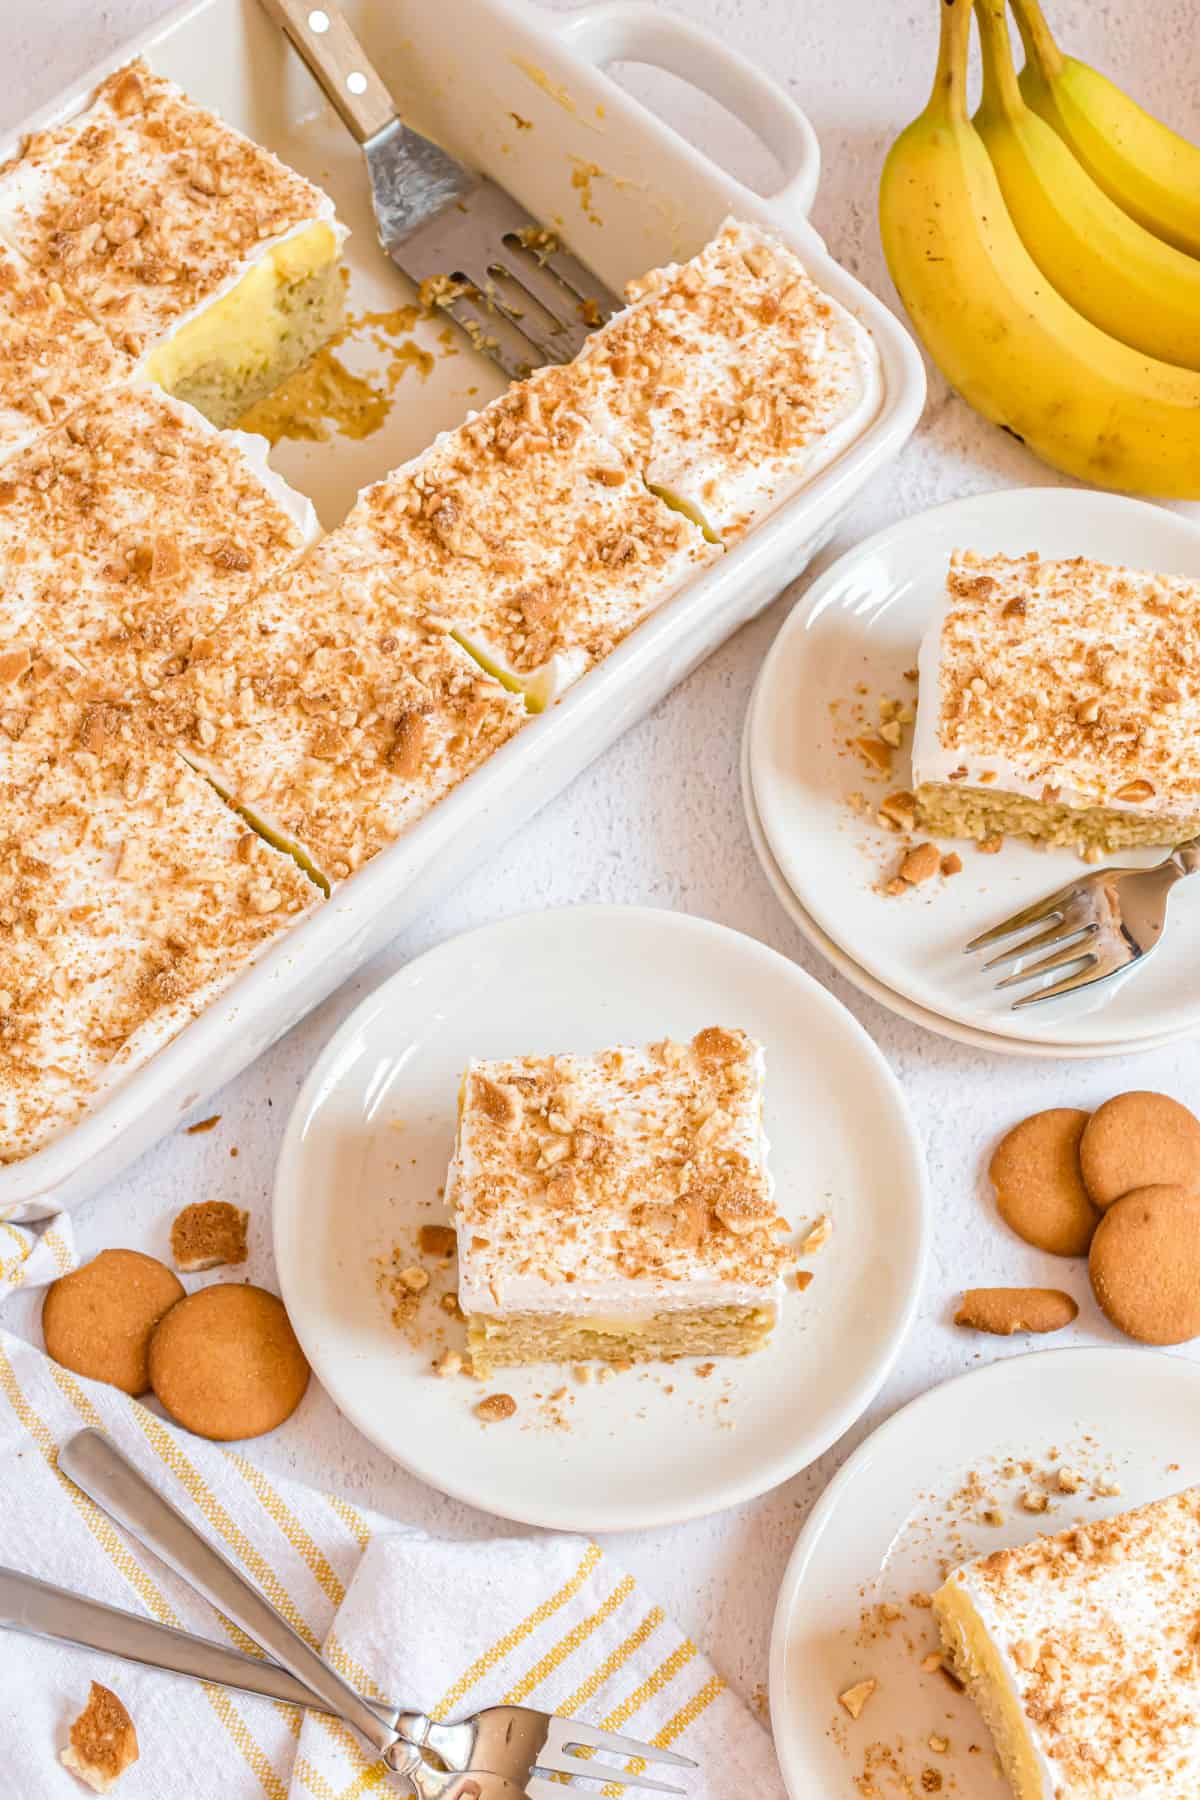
<point>453,1626</point>
<point>32,1257</point>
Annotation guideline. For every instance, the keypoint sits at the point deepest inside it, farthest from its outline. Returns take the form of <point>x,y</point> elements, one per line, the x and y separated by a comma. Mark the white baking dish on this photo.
<point>629,193</point>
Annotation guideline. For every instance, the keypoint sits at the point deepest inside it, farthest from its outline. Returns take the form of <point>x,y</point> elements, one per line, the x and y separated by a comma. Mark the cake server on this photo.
<point>517,293</point>
<point>1097,926</point>
<point>517,1749</point>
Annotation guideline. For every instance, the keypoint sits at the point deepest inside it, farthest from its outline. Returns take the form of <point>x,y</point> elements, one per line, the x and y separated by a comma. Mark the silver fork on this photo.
<point>499,273</point>
<point>510,1750</point>
<point>1098,926</point>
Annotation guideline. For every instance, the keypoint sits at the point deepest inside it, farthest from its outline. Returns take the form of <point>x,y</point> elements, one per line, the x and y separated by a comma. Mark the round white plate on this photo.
<point>848,643</point>
<point>365,1156</point>
<point>875,990</point>
<point>896,1514</point>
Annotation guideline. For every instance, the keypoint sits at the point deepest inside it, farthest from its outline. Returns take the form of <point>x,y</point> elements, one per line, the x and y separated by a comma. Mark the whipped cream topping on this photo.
<point>626,1183</point>
<point>1070,681</point>
<point>731,380</point>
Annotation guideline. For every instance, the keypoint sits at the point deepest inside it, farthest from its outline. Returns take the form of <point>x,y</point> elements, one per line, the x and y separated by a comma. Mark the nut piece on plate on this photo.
<point>208,1234</point>
<point>1039,1187</point>
<point>98,1321</point>
<point>1138,1140</point>
<point>856,1697</point>
<point>1004,1311</point>
<point>103,1741</point>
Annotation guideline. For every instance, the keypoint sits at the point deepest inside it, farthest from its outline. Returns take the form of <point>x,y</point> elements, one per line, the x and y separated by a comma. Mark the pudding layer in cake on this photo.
<point>1060,701</point>
<point>331,711</point>
<point>532,539</point>
<point>52,356</point>
<point>1080,1652</point>
<point>130,896</point>
<point>731,380</point>
<point>616,1206</point>
<point>133,527</point>
<point>196,249</point>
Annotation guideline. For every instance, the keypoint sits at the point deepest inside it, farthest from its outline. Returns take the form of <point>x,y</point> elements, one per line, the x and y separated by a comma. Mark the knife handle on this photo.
<point>322,35</point>
<point>95,1464</point>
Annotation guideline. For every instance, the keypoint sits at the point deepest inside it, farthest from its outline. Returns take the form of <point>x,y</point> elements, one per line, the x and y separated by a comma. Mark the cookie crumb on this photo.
<point>938,1744</point>
<point>952,864</point>
<point>202,1125</point>
<point>921,864</point>
<point>208,1234</point>
<point>1106,1488</point>
<point>856,1697</point>
<point>932,1663</point>
<point>988,846</point>
<point>494,1407</point>
<point>921,1599</point>
<point>993,1516</point>
<point>437,1240</point>
<point>1069,1481</point>
<point>448,1363</point>
<point>103,1741</point>
<point>1003,1311</point>
<point>414,1279</point>
<point>818,1236</point>
<point>1034,1501</point>
<point>803,1278</point>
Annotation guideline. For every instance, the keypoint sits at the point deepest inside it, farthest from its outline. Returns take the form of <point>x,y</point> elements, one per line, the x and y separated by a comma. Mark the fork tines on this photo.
<point>571,1749</point>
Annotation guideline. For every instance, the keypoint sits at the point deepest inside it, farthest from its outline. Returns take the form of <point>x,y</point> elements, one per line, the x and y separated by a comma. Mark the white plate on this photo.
<point>366,1151</point>
<point>861,623</point>
<point>891,1519</point>
<point>886,996</point>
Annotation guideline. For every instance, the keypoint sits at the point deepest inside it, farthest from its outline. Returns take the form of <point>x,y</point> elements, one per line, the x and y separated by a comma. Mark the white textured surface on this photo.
<point>658,820</point>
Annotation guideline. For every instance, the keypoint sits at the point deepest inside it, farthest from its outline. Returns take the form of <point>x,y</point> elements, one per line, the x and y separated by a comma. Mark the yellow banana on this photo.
<point>1110,268</point>
<point>1151,172</point>
<point>999,332</point>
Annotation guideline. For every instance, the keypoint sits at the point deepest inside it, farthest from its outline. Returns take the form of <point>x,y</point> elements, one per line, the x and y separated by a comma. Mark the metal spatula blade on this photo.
<point>466,244</point>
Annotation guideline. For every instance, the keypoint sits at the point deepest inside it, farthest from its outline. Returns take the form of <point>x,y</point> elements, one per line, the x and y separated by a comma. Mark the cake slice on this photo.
<point>1080,1652</point>
<point>731,380</point>
<point>616,1206</point>
<point>1060,700</point>
<point>52,356</point>
<point>332,711</point>
<point>198,251</point>
<point>532,538</point>
<point>133,527</point>
<point>130,897</point>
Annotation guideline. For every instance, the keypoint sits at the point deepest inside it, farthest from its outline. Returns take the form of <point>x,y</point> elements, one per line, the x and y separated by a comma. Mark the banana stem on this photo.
<point>1001,94</point>
<point>949,97</point>
<point>1038,39</point>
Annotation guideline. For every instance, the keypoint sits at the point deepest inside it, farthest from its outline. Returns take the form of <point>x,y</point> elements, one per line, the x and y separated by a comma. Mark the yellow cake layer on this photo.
<point>556,1337</point>
<point>957,810</point>
<point>243,345</point>
<point>978,1664</point>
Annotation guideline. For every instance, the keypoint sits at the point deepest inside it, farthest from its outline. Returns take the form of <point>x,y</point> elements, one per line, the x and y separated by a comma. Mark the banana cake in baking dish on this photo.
<point>1060,700</point>
<point>617,1207</point>
<point>290,707</point>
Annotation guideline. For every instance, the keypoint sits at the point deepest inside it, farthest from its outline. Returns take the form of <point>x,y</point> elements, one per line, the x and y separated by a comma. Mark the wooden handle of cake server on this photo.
<point>322,35</point>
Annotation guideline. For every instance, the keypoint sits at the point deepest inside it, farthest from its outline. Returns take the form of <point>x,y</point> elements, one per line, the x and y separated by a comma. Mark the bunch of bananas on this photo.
<point>1047,253</point>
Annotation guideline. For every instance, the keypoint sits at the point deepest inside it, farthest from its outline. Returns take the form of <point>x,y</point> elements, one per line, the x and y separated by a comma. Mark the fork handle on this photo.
<point>94,1464</point>
<point>322,35</point>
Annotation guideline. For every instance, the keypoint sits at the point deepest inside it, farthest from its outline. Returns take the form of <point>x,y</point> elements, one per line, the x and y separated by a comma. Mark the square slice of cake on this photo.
<point>331,711</point>
<point>731,380</point>
<point>196,249</point>
<point>1060,700</point>
<point>133,527</point>
<point>1080,1652</point>
<point>52,356</point>
<point>534,540</point>
<point>130,897</point>
<point>616,1206</point>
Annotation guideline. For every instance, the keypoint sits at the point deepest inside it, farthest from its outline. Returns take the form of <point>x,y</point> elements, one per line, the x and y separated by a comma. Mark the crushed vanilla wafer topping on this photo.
<point>146,205</point>
<point>1066,678</point>
<point>645,1167</point>
<point>131,528</point>
<point>52,356</point>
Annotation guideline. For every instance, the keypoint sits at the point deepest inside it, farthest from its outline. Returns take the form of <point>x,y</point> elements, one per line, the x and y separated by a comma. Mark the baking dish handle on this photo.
<point>635,31</point>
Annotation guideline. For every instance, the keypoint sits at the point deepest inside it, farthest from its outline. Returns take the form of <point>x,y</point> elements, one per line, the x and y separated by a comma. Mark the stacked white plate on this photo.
<point>845,646</point>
